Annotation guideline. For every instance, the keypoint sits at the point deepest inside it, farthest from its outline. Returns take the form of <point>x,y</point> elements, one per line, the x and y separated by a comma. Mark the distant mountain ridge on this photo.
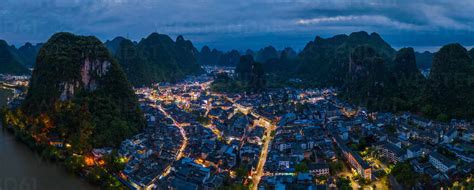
<point>209,57</point>
<point>114,44</point>
<point>324,61</point>
<point>156,58</point>
<point>371,73</point>
<point>364,66</point>
<point>10,63</point>
<point>231,58</point>
<point>424,60</point>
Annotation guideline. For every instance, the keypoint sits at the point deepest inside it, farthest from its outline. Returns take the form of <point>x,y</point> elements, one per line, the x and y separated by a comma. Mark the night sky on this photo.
<point>243,24</point>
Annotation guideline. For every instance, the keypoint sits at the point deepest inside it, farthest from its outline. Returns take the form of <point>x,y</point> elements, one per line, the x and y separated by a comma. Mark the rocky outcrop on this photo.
<point>90,70</point>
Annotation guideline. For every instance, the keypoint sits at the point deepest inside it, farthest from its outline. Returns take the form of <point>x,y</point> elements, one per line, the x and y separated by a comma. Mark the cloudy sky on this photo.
<point>241,24</point>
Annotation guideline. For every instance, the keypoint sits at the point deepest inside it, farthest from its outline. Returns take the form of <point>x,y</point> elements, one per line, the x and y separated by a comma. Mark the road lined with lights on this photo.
<point>263,156</point>
<point>183,134</point>
<point>262,121</point>
<point>267,138</point>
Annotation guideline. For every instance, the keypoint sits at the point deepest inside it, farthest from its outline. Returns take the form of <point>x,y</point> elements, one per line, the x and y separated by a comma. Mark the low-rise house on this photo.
<point>186,170</point>
<point>425,136</point>
<point>421,121</point>
<point>354,159</point>
<point>450,135</point>
<point>464,156</point>
<point>468,135</point>
<point>418,166</point>
<point>441,163</point>
<point>395,141</point>
<point>343,133</point>
<point>389,151</point>
<point>319,169</point>
<point>415,151</point>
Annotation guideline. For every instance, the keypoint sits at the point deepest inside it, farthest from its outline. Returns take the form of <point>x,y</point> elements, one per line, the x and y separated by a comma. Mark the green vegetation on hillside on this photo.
<point>324,62</point>
<point>266,54</point>
<point>406,81</point>
<point>370,73</point>
<point>223,83</point>
<point>208,57</point>
<point>405,175</point>
<point>113,45</point>
<point>366,79</point>
<point>9,62</point>
<point>250,77</point>
<point>27,54</point>
<point>230,58</point>
<point>450,86</point>
<point>100,108</point>
<point>157,58</point>
<point>134,64</point>
<point>424,60</point>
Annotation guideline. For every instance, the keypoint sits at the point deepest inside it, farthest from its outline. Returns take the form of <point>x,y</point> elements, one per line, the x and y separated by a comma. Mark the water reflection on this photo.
<point>23,169</point>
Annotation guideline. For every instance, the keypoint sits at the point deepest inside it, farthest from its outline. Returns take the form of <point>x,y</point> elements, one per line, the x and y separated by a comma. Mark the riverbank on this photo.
<point>4,95</point>
<point>83,166</point>
<point>22,168</point>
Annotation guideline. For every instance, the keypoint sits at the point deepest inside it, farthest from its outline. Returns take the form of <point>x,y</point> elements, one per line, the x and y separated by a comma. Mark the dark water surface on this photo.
<point>23,169</point>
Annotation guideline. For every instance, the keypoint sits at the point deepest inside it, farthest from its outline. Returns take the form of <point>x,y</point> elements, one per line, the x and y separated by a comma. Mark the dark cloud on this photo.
<point>242,24</point>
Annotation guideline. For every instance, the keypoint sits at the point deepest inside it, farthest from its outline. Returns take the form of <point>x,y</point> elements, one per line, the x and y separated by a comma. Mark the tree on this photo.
<point>74,163</point>
<point>223,83</point>
<point>301,167</point>
<point>251,73</point>
<point>344,183</point>
<point>404,174</point>
<point>113,162</point>
<point>336,167</point>
<point>242,171</point>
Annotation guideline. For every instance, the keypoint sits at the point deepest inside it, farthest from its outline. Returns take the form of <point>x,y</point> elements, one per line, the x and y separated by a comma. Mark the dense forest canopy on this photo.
<point>79,93</point>
<point>449,90</point>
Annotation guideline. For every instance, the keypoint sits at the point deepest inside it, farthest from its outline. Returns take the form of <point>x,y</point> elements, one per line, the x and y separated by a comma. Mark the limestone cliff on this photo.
<point>76,77</point>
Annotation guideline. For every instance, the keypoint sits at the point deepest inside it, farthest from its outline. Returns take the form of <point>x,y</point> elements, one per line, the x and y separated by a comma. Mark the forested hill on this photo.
<point>449,90</point>
<point>215,57</point>
<point>9,61</point>
<point>369,72</point>
<point>114,44</point>
<point>79,93</point>
<point>424,60</point>
<point>28,52</point>
<point>231,58</point>
<point>325,61</point>
<point>471,53</point>
<point>157,58</point>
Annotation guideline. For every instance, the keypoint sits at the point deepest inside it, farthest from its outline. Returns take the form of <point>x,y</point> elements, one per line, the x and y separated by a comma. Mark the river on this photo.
<point>23,169</point>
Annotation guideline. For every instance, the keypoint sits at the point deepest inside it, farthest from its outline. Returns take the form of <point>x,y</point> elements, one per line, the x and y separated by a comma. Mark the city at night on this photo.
<point>236,95</point>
